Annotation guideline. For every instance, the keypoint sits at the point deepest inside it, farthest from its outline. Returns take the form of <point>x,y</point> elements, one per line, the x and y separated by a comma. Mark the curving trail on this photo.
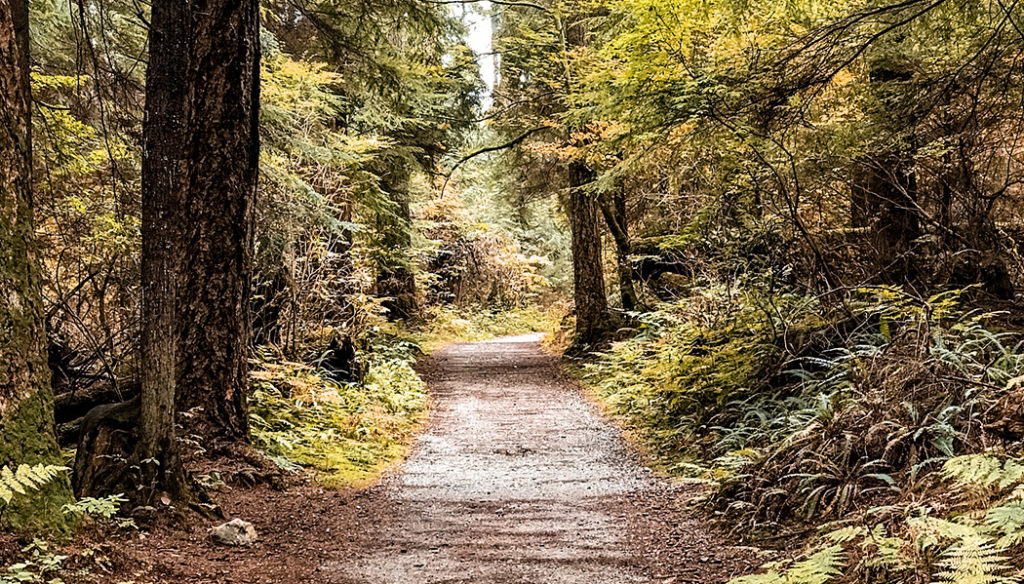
<point>519,479</point>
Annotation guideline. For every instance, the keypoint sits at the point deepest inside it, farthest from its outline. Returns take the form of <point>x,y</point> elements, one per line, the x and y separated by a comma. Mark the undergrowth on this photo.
<point>447,324</point>
<point>345,432</point>
<point>972,534</point>
<point>876,412</point>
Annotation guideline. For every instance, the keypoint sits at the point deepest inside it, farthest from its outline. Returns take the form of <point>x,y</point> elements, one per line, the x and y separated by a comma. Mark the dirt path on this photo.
<point>518,479</point>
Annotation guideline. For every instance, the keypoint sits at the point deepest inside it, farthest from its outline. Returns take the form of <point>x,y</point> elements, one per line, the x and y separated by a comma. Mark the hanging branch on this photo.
<point>498,2</point>
<point>514,142</point>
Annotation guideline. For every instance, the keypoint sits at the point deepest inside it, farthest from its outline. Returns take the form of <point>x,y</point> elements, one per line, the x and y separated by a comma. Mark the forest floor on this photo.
<point>517,478</point>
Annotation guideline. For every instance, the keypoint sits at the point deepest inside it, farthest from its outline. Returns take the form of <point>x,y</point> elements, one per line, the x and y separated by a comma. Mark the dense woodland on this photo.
<point>779,240</point>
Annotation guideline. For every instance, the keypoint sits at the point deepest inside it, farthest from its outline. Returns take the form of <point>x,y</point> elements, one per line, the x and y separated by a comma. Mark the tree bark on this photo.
<point>614,212</point>
<point>216,284</point>
<point>26,395</point>
<point>131,447</point>
<point>164,192</point>
<point>588,273</point>
<point>589,294</point>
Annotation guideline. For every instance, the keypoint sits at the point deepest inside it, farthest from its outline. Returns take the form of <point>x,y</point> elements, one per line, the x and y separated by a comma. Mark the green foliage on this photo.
<point>693,362</point>
<point>446,325</point>
<point>346,432</point>
<point>804,410</point>
<point>101,507</point>
<point>42,566</point>
<point>979,541</point>
<point>983,470</point>
<point>27,479</point>
<point>818,568</point>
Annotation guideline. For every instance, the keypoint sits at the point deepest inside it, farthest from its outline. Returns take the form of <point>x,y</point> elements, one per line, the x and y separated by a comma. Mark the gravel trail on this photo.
<point>519,479</point>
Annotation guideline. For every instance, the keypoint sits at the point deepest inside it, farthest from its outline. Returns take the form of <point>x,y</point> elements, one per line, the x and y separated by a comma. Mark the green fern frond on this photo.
<point>818,568</point>
<point>847,534</point>
<point>933,531</point>
<point>26,479</point>
<point>974,560</point>
<point>770,577</point>
<point>1009,520</point>
<point>982,470</point>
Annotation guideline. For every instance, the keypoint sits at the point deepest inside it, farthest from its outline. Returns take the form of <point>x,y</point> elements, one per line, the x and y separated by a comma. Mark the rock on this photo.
<point>235,533</point>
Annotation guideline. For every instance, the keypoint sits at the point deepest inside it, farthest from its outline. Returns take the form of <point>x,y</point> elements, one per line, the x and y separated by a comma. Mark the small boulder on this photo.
<point>235,533</point>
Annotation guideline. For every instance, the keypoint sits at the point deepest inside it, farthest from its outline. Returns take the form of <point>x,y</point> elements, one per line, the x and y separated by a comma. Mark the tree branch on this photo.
<point>498,2</point>
<point>513,142</point>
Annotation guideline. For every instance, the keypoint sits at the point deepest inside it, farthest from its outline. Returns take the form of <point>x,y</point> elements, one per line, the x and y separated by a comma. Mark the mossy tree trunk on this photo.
<point>26,396</point>
<point>215,317</point>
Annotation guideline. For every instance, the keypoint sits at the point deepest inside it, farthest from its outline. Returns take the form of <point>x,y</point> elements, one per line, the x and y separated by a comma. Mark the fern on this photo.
<point>818,568</point>
<point>1009,521</point>
<point>975,559</point>
<point>26,479</point>
<point>982,470</point>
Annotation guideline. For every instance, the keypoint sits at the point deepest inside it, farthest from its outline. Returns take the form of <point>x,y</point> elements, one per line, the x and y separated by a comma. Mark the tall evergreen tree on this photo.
<point>589,294</point>
<point>165,175</point>
<point>215,315</point>
<point>26,396</point>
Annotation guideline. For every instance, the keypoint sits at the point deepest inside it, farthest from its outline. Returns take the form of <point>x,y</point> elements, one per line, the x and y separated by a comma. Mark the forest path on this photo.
<point>519,479</point>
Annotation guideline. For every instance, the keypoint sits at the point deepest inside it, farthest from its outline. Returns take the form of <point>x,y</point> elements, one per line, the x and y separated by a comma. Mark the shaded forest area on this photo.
<point>778,239</point>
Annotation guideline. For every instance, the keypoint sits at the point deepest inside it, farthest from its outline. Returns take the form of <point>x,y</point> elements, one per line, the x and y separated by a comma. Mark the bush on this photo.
<point>345,432</point>
<point>805,411</point>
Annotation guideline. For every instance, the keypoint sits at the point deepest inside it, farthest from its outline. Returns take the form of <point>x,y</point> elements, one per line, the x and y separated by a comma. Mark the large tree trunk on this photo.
<point>589,295</point>
<point>395,280</point>
<point>164,191</point>
<point>216,287</point>
<point>588,273</point>
<point>26,396</point>
<point>614,212</point>
<point>131,447</point>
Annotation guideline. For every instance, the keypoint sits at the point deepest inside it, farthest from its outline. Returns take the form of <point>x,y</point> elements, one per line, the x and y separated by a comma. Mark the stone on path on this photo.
<point>234,533</point>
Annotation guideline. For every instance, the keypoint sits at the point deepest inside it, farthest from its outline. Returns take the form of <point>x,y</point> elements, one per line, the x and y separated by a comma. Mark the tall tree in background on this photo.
<point>26,397</point>
<point>216,286</point>
<point>589,293</point>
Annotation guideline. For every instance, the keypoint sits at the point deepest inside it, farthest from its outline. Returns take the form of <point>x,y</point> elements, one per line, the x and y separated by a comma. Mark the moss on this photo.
<point>26,437</point>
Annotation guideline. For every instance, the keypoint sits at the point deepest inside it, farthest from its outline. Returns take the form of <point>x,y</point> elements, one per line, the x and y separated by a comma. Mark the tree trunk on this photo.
<point>26,395</point>
<point>884,200</point>
<point>216,284</point>
<point>164,192</point>
<point>588,273</point>
<point>395,280</point>
<point>614,212</point>
<point>131,447</point>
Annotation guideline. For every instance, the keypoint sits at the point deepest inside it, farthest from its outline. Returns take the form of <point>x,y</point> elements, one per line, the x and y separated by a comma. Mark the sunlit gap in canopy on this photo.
<point>477,18</point>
